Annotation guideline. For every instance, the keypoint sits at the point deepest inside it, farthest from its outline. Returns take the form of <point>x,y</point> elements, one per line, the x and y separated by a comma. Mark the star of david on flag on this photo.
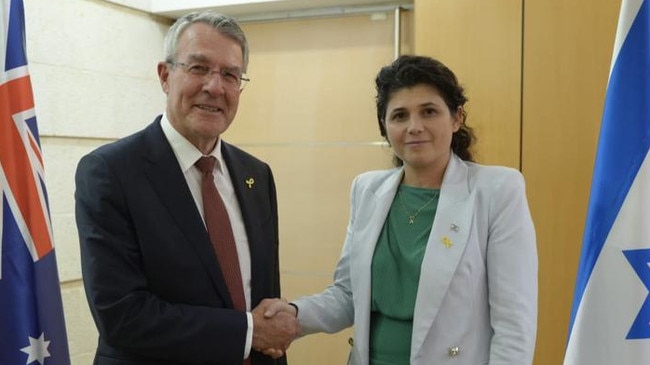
<point>610,319</point>
<point>32,328</point>
<point>639,259</point>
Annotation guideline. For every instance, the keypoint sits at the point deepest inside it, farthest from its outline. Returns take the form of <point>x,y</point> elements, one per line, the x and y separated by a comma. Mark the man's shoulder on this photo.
<point>231,151</point>
<point>131,144</point>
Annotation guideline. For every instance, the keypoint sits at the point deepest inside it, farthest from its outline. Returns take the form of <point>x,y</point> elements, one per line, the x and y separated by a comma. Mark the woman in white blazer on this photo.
<point>439,264</point>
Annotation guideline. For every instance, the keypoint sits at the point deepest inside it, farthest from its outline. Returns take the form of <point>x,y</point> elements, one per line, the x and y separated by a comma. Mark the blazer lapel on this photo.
<point>369,222</point>
<point>445,247</point>
<point>166,178</point>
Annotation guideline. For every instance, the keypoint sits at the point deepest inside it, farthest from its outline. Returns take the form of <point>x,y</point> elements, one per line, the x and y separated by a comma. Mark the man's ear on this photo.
<point>163,75</point>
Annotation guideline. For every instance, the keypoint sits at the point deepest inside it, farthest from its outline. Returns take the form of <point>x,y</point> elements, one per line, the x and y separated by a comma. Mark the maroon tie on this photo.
<point>220,232</point>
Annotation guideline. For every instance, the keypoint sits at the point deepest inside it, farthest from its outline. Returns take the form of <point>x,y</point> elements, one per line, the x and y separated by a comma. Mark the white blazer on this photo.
<point>477,296</point>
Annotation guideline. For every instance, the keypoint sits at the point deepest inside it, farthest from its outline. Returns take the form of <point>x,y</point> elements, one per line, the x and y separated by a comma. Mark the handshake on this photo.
<point>275,326</point>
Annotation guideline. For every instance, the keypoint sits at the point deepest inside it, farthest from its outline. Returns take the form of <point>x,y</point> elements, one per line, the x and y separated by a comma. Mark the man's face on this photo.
<point>201,107</point>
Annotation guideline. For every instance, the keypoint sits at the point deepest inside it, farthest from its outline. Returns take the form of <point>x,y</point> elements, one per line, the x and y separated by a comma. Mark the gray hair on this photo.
<point>224,24</point>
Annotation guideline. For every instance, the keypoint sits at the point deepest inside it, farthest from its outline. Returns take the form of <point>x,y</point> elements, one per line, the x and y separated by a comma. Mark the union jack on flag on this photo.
<point>32,328</point>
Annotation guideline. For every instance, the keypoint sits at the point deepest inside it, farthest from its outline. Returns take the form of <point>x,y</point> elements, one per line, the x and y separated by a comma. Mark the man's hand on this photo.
<point>275,306</point>
<point>274,327</point>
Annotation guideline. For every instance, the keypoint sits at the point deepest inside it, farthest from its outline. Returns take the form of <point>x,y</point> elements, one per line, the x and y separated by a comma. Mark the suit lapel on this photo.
<point>166,178</point>
<point>445,248</point>
<point>240,173</point>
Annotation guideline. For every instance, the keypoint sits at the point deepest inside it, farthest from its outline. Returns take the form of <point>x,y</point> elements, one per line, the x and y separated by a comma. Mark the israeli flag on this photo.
<point>610,318</point>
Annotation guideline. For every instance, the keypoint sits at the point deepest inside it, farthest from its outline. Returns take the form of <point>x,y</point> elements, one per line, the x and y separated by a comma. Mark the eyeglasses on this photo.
<point>232,79</point>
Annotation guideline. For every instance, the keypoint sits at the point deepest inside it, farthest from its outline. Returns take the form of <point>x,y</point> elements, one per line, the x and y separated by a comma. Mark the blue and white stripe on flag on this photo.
<point>610,318</point>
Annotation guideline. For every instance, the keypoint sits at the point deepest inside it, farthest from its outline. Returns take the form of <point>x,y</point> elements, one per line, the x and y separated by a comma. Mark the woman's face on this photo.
<point>419,126</point>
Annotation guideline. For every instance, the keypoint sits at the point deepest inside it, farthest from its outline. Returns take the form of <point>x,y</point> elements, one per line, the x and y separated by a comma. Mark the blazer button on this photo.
<point>351,341</point>
<point>454,351</point>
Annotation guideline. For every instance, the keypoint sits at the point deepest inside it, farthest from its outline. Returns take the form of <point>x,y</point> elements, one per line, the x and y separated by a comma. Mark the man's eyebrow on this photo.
<point>197,58</point>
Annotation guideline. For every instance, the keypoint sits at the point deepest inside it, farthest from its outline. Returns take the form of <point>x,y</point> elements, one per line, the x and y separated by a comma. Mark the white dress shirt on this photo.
<point>187,155</point>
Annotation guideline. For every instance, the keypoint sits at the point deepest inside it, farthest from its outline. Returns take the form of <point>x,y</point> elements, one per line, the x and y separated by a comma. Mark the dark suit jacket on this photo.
<point>151,277</point>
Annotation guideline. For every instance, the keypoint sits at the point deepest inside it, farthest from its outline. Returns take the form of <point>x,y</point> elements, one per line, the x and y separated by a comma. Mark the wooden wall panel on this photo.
<point>309,111</point>
<point>567,52</point>
<point>551,57</point>
<point>535,76</point>
<point>481,42</point>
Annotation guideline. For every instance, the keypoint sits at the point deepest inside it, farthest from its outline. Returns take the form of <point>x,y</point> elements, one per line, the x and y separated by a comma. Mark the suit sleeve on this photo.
<point>276,289</point>
<point>512,273</point>
<point>128,315</point>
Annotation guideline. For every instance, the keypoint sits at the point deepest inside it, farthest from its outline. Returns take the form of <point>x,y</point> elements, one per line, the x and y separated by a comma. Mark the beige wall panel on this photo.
<point>566,66</point>
<point>407,32</point>
<point>481,42</point>
<point>325,349</point>
<point>309,112</point>
<point>313,80</point>
<point>81,330</point>
<point>313,183</point>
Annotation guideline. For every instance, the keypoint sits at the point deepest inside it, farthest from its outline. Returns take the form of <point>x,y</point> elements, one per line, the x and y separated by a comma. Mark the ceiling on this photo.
<point>262,9</point>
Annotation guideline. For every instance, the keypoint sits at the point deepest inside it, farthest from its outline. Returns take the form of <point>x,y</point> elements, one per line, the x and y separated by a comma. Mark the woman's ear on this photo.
<point>459,116</point>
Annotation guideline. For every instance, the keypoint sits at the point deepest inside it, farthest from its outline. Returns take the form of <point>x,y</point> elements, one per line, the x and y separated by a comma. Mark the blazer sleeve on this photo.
<point>512,273</point>
<point>128,315</point>
<point>333,310</point>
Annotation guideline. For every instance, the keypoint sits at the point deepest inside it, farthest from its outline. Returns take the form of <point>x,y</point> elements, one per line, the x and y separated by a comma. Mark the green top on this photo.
<point>396,273</point>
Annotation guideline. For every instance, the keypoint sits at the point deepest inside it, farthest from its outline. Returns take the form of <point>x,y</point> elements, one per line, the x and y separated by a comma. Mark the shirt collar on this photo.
<point>186,153</point>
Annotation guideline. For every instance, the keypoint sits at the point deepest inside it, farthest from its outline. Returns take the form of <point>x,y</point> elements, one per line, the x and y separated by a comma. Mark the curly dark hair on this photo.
<point>409,71</point>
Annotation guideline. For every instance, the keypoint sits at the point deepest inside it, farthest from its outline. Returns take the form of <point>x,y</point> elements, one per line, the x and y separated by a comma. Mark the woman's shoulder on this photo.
<point>492,170</point>
<point>494,175</point>
<point>376,176</point>
<point>376,180</point>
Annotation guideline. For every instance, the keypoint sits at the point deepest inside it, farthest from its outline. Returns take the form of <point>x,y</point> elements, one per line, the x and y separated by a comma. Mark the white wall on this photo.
<point>93,69</point>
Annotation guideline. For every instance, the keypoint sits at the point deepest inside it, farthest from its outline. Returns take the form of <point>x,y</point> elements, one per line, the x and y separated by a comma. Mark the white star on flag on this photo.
<point>37,349</point>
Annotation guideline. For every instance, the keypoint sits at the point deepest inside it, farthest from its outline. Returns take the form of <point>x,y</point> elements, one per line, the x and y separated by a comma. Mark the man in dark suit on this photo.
<point>158,287</point>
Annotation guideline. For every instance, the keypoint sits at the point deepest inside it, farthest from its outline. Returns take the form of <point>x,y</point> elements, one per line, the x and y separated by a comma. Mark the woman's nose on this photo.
<point>415,125</point>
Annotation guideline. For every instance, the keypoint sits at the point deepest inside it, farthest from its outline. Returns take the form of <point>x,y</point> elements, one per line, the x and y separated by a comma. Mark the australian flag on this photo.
<point>610,320</point>
<point>32,328</point>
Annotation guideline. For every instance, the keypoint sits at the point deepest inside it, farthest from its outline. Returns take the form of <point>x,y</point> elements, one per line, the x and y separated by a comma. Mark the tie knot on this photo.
<point>205,164</point>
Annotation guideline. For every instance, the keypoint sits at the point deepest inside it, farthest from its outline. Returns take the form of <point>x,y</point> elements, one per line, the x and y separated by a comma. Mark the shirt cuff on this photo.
<point>249,335</point>
<point>296,307</point>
